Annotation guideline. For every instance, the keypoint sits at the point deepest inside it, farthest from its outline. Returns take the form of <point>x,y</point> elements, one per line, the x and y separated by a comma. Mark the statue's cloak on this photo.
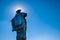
<point>19,21</point>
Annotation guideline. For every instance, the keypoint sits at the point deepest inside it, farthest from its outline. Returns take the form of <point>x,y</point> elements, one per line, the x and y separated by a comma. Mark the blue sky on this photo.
<point>43,20</point>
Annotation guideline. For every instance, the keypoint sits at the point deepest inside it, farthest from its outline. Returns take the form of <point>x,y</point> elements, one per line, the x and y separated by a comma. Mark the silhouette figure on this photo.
<point>19,25</point>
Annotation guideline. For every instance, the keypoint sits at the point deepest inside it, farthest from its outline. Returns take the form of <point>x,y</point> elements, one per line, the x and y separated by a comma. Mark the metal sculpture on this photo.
<point>19,25</point>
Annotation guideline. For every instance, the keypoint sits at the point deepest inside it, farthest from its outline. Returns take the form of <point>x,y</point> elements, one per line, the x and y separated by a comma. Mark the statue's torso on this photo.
<point>18,20</point>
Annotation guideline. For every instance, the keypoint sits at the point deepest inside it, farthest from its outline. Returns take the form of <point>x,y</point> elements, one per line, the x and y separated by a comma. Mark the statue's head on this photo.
<point>18,11</point>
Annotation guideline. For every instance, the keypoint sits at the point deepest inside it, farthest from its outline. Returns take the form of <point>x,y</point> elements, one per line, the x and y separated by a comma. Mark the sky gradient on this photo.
<point>43,19</point>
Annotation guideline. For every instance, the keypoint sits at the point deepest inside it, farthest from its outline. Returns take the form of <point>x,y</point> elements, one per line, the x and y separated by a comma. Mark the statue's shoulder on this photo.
<point>14,18</point>
<point>24,14</point>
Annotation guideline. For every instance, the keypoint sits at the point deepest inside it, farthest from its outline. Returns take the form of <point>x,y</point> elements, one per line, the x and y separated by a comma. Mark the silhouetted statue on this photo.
<point>19,25</point>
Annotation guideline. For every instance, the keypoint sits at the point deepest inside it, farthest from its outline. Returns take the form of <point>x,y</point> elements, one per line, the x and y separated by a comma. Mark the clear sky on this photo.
<point>43,19</point>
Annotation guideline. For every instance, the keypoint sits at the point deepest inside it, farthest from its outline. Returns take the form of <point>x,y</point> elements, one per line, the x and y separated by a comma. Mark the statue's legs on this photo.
<point>21,35</point>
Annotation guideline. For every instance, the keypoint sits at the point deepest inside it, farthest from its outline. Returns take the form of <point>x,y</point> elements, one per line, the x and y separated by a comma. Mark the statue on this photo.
<point>19,25</point>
